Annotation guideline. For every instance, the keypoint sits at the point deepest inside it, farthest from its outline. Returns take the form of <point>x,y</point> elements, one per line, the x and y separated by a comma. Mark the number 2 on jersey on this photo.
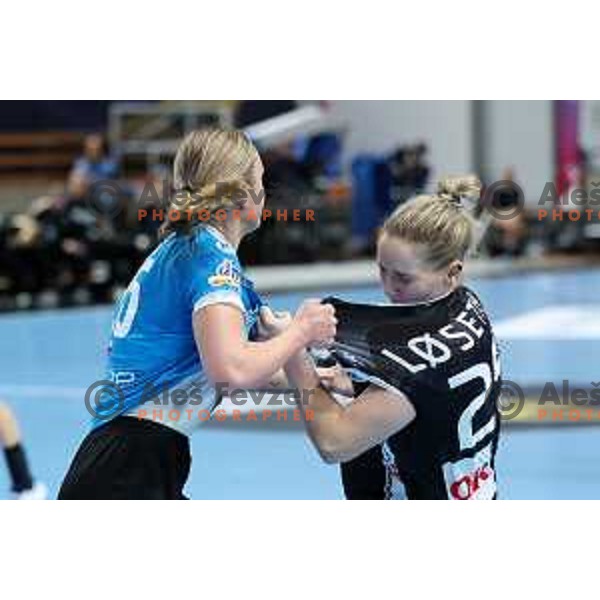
<point>467,435</point>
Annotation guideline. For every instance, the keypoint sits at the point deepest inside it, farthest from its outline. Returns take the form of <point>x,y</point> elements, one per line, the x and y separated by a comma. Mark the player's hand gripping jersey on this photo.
<point>443,356</point>
<point>152,347</point>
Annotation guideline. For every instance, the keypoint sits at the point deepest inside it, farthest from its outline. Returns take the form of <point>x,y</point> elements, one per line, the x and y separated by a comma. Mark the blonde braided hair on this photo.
<point>210,173</point>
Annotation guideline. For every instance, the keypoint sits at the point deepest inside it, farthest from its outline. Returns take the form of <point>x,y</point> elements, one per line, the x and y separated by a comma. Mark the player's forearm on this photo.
<point>343,433</point>
<point>257,362</point>
<point>278,381</point>
<point>323,416</point>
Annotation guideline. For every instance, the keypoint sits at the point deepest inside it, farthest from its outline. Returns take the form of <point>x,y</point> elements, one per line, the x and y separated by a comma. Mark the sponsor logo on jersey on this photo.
<point>227,273</point>
<point>471,478</point>
<point>469,485</point>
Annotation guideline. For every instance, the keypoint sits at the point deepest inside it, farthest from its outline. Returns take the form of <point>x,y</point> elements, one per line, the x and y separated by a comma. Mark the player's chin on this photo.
<point>400,298</point>
<point>406,296</point>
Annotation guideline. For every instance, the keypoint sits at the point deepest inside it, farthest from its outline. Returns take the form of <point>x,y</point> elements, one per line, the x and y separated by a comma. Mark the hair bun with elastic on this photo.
<point>456,188</point>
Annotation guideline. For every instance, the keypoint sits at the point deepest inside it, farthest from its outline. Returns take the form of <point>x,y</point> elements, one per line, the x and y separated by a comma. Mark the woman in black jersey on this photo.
<point>424,423</point>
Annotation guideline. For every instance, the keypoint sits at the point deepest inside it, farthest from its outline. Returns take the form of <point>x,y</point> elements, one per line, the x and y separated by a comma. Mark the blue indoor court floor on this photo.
<point>549,330</point>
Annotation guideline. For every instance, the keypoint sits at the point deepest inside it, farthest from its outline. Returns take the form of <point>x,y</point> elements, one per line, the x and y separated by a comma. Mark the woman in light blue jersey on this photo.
<point>185,328</point>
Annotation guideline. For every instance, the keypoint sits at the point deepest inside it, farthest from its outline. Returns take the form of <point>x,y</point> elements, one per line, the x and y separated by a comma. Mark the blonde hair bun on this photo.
<point>441,223</point>
<point>456,188</point>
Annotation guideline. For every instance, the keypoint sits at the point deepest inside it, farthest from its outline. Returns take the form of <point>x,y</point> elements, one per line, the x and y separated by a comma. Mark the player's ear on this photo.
<point>455,271</point>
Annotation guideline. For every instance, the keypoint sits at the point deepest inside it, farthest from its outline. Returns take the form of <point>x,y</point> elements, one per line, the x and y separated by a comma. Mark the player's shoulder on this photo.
<point>469,296</point>
<point>472,302</point>
<point>214,262</point>
<point>209,249</point>
<point>199,249</point>
<point>207,240</point>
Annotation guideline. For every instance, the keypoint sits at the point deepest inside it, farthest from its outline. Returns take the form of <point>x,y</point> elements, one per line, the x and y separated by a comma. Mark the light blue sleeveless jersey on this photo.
<point>152,346</point>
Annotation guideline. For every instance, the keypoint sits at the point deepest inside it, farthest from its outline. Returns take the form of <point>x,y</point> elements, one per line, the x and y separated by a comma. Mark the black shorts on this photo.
<point>129,459</point>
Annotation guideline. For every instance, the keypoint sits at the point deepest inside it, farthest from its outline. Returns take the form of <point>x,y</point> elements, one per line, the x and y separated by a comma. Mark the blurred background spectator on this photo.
<point>95,163</point>
<point>508,236</point>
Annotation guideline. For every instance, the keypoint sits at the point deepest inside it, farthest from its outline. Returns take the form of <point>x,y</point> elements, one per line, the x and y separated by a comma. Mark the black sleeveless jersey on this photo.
<point>443,357</point>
